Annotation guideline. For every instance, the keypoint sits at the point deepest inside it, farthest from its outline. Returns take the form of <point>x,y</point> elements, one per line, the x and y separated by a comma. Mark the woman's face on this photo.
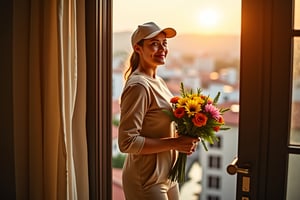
<point>154,51</point>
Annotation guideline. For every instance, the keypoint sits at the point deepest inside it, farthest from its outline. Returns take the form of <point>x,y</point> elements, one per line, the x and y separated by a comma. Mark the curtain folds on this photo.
<point>50,100</point>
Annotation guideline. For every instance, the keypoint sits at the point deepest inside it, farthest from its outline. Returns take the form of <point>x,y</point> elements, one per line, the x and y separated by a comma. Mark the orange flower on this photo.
<point>174,99</point>
<point>179,112</point>
<point>200,119</point>
<point>216,128</point>
<point>221,120</point>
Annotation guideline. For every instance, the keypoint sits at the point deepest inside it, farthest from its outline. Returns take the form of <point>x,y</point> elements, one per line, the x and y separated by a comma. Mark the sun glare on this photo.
<point>208,18</point>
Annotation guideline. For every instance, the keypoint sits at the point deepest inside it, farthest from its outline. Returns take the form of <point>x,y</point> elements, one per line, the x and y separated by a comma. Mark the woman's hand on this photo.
<point>183,144</point>
<point>186,144</point>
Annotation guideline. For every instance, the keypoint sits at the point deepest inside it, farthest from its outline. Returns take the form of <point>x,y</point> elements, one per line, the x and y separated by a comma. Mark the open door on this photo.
<point>269,145</point>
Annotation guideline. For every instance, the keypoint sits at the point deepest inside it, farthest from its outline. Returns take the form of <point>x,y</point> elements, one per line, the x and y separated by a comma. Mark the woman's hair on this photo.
<point>134,62</point>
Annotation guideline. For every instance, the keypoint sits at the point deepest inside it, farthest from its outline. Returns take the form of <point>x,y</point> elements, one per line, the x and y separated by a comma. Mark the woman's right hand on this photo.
<point>183,144</point>
<point>186,144</point>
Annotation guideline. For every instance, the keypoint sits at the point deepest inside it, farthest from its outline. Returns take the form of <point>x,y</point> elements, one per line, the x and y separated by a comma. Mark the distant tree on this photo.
<point>123,54</point>
<point>115,121</point>
<point>118,161</point>
<point>221,64</point>
<point>186,58</point>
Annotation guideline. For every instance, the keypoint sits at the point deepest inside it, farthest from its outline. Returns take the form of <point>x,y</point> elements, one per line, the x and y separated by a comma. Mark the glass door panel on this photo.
<point>205,54</point>
<point>297,14</point>
<point>293,178</point>
<point>293,182</point>
<point>295,107</point>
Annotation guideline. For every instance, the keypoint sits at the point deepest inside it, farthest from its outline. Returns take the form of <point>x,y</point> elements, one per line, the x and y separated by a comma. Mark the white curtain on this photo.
<point>50,100</point>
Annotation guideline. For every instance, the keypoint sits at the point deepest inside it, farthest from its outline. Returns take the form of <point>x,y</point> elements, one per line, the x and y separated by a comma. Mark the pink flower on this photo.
<point>212,110</point>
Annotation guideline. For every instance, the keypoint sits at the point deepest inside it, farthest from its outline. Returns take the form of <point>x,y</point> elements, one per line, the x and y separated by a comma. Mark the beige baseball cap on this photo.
<point>149,30</point>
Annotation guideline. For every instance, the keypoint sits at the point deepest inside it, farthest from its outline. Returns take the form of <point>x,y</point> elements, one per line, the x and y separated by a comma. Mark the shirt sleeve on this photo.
<point>135,101</point>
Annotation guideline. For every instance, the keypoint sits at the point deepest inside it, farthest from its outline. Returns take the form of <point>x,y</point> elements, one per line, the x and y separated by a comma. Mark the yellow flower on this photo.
<point>192,107</point>
<point>192,96</point>
<point>199,99</point>
<point>182,102</point>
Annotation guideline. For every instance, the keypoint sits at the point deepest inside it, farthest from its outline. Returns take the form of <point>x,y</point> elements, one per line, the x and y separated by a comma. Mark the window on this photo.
<point>213,197</point>
<point>214,182</point>
<point>214,161</point>
<point>217,145</point>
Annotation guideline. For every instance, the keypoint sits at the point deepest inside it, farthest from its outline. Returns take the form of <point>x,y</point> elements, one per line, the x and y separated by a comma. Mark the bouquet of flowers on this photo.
<point>195,115</point>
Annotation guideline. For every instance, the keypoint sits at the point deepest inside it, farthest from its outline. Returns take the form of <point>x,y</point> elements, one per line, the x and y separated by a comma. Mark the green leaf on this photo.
<point>204,145</point>
<point>224,128</point>
<point>182,90</point>
<point>216,99</point>
<point>170,114</point>
<point>222,110</point>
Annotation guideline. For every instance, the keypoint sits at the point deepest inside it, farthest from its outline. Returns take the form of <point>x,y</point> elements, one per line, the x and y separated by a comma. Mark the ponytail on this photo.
<point>134,62</point>
<point>133,65</point>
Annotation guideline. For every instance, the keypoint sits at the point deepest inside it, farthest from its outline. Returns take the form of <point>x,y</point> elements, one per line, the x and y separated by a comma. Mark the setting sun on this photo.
<point>199,16</point>
<point>208,18</point>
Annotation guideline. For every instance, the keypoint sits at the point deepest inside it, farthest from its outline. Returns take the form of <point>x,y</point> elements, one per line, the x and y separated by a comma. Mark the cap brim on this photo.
<point>170,32</point>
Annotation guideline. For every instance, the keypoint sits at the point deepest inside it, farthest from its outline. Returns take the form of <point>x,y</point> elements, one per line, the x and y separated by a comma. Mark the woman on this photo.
<point>145,132</point>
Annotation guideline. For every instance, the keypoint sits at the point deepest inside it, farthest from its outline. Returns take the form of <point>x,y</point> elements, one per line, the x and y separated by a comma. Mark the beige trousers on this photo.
<point>155,192</point>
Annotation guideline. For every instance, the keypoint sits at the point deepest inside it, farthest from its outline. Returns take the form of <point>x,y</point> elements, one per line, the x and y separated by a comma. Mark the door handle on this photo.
<point>232,168</point>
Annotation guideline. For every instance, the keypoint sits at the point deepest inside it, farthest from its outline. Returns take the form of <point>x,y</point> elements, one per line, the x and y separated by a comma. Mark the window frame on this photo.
<point>99,94</point>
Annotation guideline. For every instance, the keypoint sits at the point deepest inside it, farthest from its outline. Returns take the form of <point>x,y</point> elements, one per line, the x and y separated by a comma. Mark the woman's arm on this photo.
<point>183,144</point>
<point>135,102</point>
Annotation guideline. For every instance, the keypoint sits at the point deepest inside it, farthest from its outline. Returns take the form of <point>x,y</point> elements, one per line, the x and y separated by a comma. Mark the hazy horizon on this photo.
<point>189,43</point>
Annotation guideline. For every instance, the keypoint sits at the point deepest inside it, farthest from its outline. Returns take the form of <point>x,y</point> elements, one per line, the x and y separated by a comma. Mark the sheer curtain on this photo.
<point>49,70</point>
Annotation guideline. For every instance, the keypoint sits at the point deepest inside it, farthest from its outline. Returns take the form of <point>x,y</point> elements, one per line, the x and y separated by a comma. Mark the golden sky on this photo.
<point>186,16</point>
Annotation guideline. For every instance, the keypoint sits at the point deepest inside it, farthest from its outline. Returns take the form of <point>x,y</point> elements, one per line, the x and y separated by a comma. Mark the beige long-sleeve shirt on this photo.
<point>142,102</point>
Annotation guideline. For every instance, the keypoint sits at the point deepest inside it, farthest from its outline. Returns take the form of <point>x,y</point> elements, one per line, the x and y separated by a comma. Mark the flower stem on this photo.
<point>204,145</point>
<point>177,173</point>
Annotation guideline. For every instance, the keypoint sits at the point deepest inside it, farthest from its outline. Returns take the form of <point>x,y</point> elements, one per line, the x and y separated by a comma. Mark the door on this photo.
<point>269,43</point>
<point>269,98</point>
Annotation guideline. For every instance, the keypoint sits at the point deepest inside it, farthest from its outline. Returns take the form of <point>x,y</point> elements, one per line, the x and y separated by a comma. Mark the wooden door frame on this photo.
<point>99,95</point>
<point>7,146</point>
